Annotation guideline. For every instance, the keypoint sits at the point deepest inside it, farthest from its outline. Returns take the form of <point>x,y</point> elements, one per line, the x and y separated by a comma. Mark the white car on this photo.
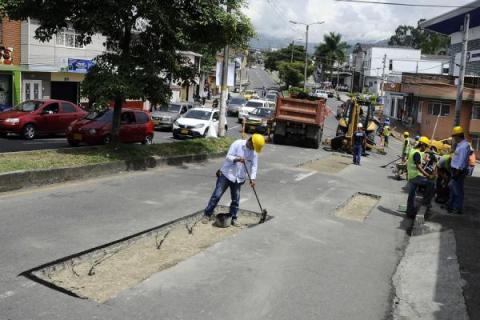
<point>196,123</point>
<point>319,93</point>
<point>250,106</point>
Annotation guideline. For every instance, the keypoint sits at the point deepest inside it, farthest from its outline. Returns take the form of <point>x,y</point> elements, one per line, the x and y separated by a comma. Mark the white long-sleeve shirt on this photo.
<point>235,171</point>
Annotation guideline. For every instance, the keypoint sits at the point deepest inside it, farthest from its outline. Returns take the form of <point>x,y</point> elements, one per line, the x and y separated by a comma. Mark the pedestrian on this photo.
<point>407,146</point>
<point>386,133</point>
<point>418,177</point>
<point>204,95</point>
<point>459,170</point>
<point>443,169</point>
<point>359,141</point>
<point>242,153</point>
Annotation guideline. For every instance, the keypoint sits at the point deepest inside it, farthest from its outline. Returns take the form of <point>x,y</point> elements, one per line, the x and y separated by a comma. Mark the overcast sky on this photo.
<point>363,22</point>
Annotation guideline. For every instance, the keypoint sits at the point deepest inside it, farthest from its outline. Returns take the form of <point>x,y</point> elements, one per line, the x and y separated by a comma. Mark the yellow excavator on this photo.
<point>355,111</point>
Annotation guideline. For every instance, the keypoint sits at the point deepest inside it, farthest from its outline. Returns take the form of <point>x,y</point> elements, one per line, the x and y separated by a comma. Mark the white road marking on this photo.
<point>301,176</point>
<point>6,294</point>
<point>234,127</point>
<point>154,203</point>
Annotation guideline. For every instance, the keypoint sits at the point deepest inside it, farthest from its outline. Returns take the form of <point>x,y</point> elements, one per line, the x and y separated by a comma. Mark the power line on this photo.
<point>407,4</point>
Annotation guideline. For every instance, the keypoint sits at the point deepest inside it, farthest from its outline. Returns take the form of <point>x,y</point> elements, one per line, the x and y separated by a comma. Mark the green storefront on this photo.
<point>10,86</point>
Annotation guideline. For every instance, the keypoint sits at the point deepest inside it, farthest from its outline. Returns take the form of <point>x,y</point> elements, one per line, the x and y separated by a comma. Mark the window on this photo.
<point>127,118</point>
<point>475,142</point>
<point>51,108</point>
<point>476,112</point>
<point>69,38</point>
<point>390,65</point>
<point>141,117</point>
<point>68,108</point>
<point>439,109</point>
<point>215,116</point>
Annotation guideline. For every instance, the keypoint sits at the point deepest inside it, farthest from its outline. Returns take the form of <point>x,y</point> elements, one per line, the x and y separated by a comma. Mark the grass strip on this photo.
<point>65,158</point>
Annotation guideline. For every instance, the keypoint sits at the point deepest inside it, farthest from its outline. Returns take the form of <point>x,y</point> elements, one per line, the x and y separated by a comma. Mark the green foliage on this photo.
<point>273,59</point>
<point>143,40</point>
<point>332,50</point>
<point>415,37</point>
<point>292,74</point>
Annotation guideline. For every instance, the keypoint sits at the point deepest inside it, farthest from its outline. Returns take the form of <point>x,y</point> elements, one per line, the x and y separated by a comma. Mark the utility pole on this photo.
<point>461,77</point>
<point>293,46</point>
<point>307,26</point>
<point>224,88</point>
<point>383,74</point>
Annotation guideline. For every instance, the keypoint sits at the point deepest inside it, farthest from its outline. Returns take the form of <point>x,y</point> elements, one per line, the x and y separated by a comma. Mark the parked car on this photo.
<point>250,94</point>
<point>330,93</point>
<point>96,128</point>
<point>271,97</point>
<point>320,93</point>
<point>259,120</point>
<point>39,117</point>
<point>4,107</point>
<point>196,123</point>
<point>234,105</point>
<point>165,116</point>
<point>250,106</point>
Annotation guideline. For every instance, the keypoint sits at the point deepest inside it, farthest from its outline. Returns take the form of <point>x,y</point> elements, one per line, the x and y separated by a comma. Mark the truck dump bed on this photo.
<point>301,111</point>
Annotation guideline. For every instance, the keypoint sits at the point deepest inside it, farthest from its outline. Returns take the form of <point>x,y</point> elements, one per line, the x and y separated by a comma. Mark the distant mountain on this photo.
<point>268,42</point>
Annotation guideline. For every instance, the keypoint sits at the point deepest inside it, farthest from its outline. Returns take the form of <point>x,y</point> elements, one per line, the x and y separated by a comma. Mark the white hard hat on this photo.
<point>360,125</point>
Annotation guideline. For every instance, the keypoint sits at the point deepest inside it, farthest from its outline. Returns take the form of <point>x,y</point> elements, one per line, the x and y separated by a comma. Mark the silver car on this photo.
<point>234,104</point>
<point>166,115</point>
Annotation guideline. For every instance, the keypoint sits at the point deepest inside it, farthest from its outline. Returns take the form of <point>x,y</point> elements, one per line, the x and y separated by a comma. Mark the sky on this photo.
<point>356,22</point>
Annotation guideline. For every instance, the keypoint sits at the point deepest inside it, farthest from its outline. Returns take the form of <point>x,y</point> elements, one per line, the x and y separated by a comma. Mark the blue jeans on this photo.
<point>413,184</point>
<point>220,188</point>
<point>456,187</point>
<point>357,153</point>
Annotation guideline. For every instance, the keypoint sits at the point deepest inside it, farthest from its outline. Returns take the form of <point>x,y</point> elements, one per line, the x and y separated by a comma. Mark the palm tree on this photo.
<point>331,51</point>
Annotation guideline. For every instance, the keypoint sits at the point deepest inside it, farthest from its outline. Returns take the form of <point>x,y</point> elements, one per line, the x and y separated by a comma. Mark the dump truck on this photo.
<point>300,119</point>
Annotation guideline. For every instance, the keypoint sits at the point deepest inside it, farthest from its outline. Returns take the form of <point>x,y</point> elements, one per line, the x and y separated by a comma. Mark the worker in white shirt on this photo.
<point>233,175</point>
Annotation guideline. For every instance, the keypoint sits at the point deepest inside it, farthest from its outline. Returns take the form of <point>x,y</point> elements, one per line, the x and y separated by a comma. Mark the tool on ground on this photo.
<point>384,166</point>
<point>264,211</point>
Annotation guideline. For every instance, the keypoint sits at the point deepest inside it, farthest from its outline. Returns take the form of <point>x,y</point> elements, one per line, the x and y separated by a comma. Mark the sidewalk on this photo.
<point>439,276</point>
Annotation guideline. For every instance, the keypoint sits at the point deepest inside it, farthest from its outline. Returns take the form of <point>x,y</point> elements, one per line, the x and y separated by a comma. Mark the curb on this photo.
<point>16,180</point>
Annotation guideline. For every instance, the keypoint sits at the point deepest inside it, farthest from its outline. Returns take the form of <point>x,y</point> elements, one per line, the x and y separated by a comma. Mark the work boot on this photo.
<point>235,223</point>
<point>206,219</point>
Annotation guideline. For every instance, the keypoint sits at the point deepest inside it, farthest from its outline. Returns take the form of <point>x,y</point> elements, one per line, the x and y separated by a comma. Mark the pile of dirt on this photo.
<point>330,164</point>
<point>103,274</point>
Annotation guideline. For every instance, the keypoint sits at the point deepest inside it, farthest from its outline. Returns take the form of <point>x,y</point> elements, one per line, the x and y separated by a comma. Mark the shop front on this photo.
<point>10,78</point>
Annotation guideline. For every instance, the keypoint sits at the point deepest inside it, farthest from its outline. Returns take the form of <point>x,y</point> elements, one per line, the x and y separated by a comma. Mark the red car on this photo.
<point>95,128</point>
<point>37,117</point>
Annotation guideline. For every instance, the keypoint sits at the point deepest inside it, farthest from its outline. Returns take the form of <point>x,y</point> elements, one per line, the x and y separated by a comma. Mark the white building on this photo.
<point>393,61</point>
<point>55,69</point>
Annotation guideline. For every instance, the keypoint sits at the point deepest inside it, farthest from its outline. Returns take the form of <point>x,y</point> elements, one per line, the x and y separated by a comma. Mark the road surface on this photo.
<point>259,79</point>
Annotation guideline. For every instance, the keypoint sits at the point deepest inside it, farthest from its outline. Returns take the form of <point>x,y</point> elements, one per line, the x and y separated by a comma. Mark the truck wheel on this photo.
<point>278,139</point>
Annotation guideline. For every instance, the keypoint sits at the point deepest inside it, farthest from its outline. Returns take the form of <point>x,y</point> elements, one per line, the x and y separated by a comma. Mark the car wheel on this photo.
<point>29,131</point>
<point>148,140</point>
<point>73,143</point>
<point>107,139</point>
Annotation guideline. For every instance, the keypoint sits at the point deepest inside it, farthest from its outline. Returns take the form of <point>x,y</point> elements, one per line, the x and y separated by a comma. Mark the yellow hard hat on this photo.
<point>406,134</point>
<point>258,142</point>
<point>457,131</point>
<point>424,140</point>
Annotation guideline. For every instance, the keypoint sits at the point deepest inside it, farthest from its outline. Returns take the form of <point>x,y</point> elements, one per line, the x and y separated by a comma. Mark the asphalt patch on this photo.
<point>358,207</point>
<point>330,164</point>
<point>102,273</point>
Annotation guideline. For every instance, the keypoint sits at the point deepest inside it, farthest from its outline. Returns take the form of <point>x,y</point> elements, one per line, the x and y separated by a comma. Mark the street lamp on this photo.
<point>293,46</point>
<point>307,26</point>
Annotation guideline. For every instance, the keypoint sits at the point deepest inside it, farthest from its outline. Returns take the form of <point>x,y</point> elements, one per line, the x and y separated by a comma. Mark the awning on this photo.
<point>452,21</point>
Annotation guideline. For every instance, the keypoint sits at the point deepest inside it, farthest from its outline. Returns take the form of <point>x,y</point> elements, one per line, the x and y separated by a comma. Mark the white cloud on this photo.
<point>364,22</point>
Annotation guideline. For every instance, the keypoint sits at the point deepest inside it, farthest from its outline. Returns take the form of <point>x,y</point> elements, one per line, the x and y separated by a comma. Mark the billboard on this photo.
<point>231,74</point>
<point>79,65</point>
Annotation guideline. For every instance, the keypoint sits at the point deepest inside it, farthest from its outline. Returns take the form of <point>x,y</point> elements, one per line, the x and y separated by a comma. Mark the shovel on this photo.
<point>264,211</point>
<point>384,166</point>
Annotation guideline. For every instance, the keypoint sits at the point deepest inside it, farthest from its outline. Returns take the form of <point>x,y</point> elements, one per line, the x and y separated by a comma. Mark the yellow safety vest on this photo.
<point>412,170</point>
<point>407,147</point>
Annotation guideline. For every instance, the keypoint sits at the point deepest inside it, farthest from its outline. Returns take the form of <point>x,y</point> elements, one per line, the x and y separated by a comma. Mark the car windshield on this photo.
<point>28,106</point>
<point>104,116</point>
<point>262,112</point>
<point>272,97</point>
<point>254,104</point>
<point>175,108</point>
<point>237,101</point>
<point>198,114</point>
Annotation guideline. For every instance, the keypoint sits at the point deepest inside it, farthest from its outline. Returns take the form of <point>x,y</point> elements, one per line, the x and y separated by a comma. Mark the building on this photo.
<point>10,53</point>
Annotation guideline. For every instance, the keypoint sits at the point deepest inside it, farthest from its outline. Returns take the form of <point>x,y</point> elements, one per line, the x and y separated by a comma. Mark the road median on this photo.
<point>26,169</point>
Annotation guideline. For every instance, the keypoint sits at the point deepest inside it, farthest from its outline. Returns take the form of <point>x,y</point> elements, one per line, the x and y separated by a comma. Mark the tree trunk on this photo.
<point>117,112</point>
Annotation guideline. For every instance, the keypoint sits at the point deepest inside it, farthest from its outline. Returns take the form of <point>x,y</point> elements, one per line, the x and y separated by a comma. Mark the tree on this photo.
<point>415,37</point>
<point>332,50</point>
<point>143,40</point>
<point>273,59</point>
<point>292,74</point>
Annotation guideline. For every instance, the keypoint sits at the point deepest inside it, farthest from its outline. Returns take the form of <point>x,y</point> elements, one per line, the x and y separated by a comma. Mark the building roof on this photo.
<point>452,21</point>
<point>435,57</point>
